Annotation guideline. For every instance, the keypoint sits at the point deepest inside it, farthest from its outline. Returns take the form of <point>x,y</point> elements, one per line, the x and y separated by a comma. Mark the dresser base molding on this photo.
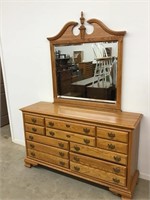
<point>124,193</point>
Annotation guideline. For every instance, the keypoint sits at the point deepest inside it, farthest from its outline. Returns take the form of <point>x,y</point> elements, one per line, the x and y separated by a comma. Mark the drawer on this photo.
<point>110,134</point>
<point>99,164</point>
<point>98,174</point>
<point>31,119</point>
<point>48,158</point>
<point>112,146</point>
<point>70,136</point>
<point>48,141</point>
<point>73,127</point>
<point>35,129</point>
<point>47,149</point>
<point>99,153</point>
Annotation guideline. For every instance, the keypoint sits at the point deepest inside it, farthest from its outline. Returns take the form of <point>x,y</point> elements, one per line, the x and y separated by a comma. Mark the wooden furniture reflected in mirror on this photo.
<point>87,67</point>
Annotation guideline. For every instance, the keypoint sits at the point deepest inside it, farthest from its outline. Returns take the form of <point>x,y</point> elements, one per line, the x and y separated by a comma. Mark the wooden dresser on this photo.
<point>98,146</point>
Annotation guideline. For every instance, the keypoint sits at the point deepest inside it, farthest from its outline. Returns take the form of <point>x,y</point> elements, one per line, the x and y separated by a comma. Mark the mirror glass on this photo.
<point>87,71</point>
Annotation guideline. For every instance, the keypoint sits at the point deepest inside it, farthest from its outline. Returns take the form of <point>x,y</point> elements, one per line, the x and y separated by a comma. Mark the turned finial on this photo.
<point>82,27</point>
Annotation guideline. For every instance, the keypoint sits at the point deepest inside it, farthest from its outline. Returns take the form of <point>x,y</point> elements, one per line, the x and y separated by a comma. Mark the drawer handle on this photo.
<point>111,146</point>
<point>86,141</point>
<point>68,136</point>
<point>86,130</point>
<point>117,158</point>
<point>77,168</point>
<point>51,123</point>
<point>116,180</point>
<point>111,135</point>
<point>30,137</point>
<point>33,120</point>
<point>77,148</point>
<point>62,163</point>
<point>116,170</point>
<point>61,145</point>
<point>33,154</point>
<point>34,129</point>
<point>32,146</point>
<point>76,159</point>
<point>51,133</point>
<point>61,154</point>
<point>67,125</point>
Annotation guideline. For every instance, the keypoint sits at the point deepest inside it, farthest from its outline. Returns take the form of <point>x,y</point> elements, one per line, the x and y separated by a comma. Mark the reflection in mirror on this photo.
<point>87,71</point>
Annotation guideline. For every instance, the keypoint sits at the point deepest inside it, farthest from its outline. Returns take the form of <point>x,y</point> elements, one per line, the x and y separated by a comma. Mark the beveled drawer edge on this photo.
<point>113,127</point>
<point>33,114</point>
<point>70,120</point>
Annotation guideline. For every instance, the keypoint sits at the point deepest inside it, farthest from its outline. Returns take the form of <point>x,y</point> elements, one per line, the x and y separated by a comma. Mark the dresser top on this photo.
<point>119,119</point>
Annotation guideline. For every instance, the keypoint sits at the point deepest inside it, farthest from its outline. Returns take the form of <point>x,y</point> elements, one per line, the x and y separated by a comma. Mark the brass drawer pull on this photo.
<point>62,163</point>
<point>31,137</point>
<point>68,136</point>
<point>32,146</point>
<point>86,130</point>
<point>116,170</point>
<point>116,180</point>
<point>77,168</point>
<point>61,154</point>
<point>76,159</point>
<point>51,133</point>
<point>33,120</point>
<point>34,129</point>
<point>61,145</point>
<point>51,123</point>
<point>111,135</point>
<point>86,141</point>
<point>111,146</point>
<point>77,148</point>
<point>117,158</point>
<point>33,154</point>
<point>67,125</point>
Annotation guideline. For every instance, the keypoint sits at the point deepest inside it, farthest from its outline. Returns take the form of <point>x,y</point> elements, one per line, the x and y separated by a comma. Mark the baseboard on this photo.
<point>18,142</point>
<point>144,176</point>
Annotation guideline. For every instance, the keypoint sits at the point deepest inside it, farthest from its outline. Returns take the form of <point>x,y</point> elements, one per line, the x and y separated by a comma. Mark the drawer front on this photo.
<point>99,164</point>
<point>98,174</point>
<point>48,158</point>
<point>115,135</point>
<point>47,149</point>
<point>70,136</point>
<point>112,146</point>
<point>31,119</point>
<point>48,141</point>
<point>99,153</point>
<point>68,126</point>
<point>35,129</point>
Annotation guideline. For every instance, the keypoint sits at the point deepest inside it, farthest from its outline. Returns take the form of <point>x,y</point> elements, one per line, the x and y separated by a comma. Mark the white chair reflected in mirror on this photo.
<point>102,73</point>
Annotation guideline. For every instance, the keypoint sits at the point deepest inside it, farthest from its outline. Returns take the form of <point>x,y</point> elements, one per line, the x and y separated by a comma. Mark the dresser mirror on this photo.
<point>86,67</point>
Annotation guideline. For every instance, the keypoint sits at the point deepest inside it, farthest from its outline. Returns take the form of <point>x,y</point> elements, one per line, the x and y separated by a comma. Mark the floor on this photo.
<point>18,182</point>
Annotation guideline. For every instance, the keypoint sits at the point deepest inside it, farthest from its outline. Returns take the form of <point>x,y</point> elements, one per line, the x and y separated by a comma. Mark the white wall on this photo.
<point>26,62</point>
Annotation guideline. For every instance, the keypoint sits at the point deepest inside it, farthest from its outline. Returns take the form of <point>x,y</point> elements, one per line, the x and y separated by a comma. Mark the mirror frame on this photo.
<point>101,33</point>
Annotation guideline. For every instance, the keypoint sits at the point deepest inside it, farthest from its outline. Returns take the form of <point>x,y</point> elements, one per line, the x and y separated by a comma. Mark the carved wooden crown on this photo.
<point>100,31</point>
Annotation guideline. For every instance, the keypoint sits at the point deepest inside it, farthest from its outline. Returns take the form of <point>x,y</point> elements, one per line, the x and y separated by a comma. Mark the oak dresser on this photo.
<point>95,145</point>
